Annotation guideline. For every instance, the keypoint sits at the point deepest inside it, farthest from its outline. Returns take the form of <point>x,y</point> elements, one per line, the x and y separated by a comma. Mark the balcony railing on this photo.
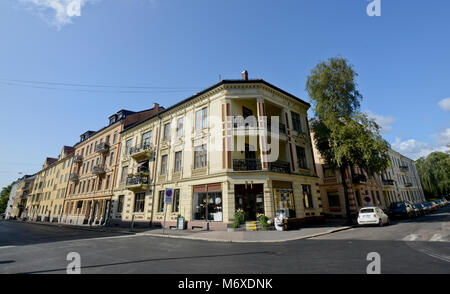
<point>359,179</point>
<point>141,151</point>
<point>99,169</point>
<point>388,182</point>
<point>404,168</point>
<point>408,184</point>
<point>102,148</point>
<point>74,177</point>
<point>78,159</point>
<point>137,181</point>
<point>280,167</point>
<point>246,164</point>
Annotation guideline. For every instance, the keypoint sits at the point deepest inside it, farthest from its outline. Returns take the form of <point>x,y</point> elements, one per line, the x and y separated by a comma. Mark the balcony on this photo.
<point>388,182</point>
<point>359,179</point>
<point>99,169</point>
<point>246,164</point>
<point>102,148</point>
<point>138,182</point>
<point>404,168</point>
<point>408,184</point>
<point>141,152</point>
<point>280,167</point>
<point>74,177</point>
<point>78,159</point>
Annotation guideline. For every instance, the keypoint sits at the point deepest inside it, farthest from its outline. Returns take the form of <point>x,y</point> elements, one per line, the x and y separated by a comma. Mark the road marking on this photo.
<point>411,237</point>
<point>428,251</point>
<point>437,238</point>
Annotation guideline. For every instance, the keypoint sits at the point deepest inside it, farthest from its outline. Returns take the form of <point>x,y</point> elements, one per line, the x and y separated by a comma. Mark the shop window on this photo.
<point>139,202</point>
<point>307,196</point>
<point>120,204</point>
<point>284,199</point>
<point>207,206</point>
<point>334,200</point>
<point>161,201</point>
<point>176,200</point>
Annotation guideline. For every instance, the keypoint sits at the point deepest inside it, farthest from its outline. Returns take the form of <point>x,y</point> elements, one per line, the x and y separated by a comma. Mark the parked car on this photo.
<point>372,216</point>
<point>445,201</point>
<point>414,208</point>
<point>422,208</point>
<point>434,206</point>
<point>2,216</point>
<point>427,206</point>
<point>400,209</point>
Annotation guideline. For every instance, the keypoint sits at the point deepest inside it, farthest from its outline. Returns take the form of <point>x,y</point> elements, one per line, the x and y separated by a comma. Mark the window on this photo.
<point>333,200</point>
<point>296,122</point>
<point>120,204</point>
<point>128,145</point>
<point>178,156</point>
<point>115,137</point>
<point>164,164</point>
<point>108,177</point>
<point>201,119</point>
<point>180,125</point>
<point>328,172</point>
<point>166,136</point>
<point>111,159</point>
<point>147,138</point>
<point>124,174</point>
<point>301,157</point>
<point>200,156</point>
<point>207,206</point>
<point>176,200</point>
<point>139,202</point>
<point>307,196</point>
<point>161,201</point>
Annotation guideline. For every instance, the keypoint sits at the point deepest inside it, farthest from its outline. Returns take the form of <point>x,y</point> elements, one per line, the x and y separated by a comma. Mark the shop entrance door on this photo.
<point>250,200</point>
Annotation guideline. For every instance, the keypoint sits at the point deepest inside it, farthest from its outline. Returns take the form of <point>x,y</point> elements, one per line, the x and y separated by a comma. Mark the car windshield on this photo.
<point>367,210</point>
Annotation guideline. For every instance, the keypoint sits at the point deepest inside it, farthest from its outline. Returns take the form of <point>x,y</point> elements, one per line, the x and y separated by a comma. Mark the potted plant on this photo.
<point>238,219</point>
<point>264,221</point>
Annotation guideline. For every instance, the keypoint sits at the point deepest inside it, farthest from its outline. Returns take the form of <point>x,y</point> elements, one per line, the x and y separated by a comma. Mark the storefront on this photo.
<point>284,197</point>
<point>208,203</point>
<point>250,199</point>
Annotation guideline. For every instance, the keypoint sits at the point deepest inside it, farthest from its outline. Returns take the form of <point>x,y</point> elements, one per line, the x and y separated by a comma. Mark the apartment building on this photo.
<point>11,199</point>
<point>94,169</point>
<point>212,152</point>
<point>363,189</point>
<point>23,190</point>
<point>401,181</point>
<point>47,199</point>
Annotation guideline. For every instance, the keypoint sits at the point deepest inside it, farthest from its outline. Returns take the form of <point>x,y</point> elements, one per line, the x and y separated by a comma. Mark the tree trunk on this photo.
<point>343,171</point>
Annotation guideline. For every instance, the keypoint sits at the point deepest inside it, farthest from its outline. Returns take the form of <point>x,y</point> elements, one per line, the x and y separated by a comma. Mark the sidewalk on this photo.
<point>248,236</point>
<point>217,236</point>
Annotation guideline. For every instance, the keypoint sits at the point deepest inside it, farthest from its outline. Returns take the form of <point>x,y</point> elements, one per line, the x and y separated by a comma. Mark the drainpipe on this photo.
<point>155,169</point>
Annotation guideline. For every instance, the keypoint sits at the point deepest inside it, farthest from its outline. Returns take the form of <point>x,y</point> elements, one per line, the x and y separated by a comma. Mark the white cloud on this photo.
<point>443,138</point>
<point>385,122</point>
<point>415,149</point>
<point>57,12</point>
<point>444,104</point>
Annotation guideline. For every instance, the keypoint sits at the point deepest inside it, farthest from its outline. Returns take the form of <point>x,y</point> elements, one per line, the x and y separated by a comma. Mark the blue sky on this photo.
<point>176,47</point>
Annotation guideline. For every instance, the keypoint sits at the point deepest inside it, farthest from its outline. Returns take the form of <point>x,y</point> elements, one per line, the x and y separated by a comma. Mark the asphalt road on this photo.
<point>420,246</point>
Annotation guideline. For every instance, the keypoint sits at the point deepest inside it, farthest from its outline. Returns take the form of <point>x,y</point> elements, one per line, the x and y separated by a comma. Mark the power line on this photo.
<point>94,88</point>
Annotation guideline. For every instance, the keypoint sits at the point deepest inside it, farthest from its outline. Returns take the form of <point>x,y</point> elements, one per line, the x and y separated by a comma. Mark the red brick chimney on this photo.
<point>245,75</point>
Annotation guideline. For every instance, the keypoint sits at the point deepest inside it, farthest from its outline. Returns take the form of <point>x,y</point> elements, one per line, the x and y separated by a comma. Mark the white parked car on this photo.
<point>373,216</point>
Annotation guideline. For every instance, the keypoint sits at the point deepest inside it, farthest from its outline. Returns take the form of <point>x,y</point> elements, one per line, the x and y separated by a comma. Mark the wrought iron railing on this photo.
<point>102,147</point>
<point>359,178</point>
<point>137,179</point>
<point>280,167</point>
<point>246,164</point>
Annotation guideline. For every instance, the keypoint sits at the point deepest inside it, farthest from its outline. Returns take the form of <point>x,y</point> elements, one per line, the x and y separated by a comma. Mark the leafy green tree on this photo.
<point>343,135</point>
<point>434,173</point>
<point>4,196</point>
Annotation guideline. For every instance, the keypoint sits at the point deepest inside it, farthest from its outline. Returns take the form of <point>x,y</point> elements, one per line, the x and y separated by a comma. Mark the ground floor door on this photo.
<point>250,198</point>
